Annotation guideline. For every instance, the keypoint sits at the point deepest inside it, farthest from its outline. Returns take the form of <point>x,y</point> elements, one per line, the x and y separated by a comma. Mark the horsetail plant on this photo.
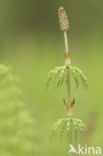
<point>68,126</point>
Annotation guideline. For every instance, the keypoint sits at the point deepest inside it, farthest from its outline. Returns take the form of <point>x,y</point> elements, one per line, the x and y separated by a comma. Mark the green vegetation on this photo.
<point>17,126</point>
<point>73,127</point>
<point>58,76</point>
<point>32,44</point>
<point>70,127</point>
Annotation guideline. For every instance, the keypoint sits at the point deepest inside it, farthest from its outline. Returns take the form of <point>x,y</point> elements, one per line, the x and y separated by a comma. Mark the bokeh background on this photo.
<point>30,41</point>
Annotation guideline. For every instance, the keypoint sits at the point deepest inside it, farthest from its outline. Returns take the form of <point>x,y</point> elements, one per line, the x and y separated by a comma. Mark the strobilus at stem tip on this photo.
<point>63,19</point>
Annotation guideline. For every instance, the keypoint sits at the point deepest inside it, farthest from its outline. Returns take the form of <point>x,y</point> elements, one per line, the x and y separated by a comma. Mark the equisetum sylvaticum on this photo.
<point>68,126</point>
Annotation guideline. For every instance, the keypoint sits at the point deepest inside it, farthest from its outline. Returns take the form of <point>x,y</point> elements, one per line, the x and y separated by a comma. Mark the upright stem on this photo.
<point>64,26</point>
<point>67,63</point>
<point>68,85</point>
<point>66,42</point>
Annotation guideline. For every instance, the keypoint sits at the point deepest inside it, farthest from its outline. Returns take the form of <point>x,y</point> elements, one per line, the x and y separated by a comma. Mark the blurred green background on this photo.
<point>30,41</point>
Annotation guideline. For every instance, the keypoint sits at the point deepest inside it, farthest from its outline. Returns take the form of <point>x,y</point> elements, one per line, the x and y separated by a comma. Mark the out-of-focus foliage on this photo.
<point>17,125</point>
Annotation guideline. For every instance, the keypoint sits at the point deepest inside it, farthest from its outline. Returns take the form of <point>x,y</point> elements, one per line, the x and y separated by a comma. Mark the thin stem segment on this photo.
<point>66,53</point>
<point>67,63</point>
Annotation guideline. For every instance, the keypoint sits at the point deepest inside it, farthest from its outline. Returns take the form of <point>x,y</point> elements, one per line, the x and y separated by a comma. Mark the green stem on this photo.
<point>66,53</point>
<point>66,42</point>
<point>68,85</point>
<point>67,63</point>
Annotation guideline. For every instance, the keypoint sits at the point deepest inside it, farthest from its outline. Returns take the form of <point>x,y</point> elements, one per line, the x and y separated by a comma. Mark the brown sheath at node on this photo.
<point>66,55</point>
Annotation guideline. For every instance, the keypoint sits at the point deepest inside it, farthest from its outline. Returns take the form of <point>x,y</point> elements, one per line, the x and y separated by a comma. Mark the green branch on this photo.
<point>66,127</point>
<point>59,75</point>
